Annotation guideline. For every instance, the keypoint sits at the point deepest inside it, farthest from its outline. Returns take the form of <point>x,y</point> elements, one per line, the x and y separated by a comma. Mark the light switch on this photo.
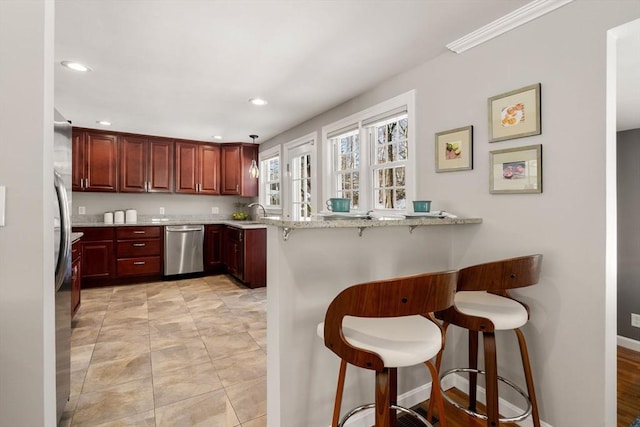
<point>3,192</point>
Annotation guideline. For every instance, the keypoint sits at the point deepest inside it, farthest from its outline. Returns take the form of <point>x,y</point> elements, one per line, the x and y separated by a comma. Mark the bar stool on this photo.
<point>482,304</point>
<point>385,325</point>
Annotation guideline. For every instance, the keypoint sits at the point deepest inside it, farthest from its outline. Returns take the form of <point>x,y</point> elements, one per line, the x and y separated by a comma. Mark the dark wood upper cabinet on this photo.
<point>146,165</point>
<point>197,168</point>
<point>94,161</point>
<point>235,162</point>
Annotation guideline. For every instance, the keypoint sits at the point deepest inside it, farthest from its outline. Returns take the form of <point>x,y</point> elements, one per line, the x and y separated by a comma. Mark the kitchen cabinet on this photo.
<point>197,168</point>
<point>94,161</point>
<point>235,161</point>
<point>146,164</point>
<point>97,261</point>
<point>139,251</point>
<point>245,255</point>
<point>213,248</point>
<point>76,276</point>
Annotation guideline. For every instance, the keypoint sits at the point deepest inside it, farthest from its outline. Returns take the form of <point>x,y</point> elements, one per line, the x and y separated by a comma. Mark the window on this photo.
<point>270,176</point>
<point>369,156</point>
<point>300,178</point>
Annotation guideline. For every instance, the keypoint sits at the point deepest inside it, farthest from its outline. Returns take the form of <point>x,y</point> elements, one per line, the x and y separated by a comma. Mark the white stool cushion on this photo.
<point>399,341</point>
<point>505,313</point>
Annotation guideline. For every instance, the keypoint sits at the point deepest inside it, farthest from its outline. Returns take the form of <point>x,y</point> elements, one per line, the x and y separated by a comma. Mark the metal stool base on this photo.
<point>468,411</point>
<point>402,409</point>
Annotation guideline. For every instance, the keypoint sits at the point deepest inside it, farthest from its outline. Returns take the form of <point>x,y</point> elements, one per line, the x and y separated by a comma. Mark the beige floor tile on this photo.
<point>170,339</point>
<point>106,374</point>
<point>143,419</point>
<point>128,329</point>
<point>129,305</point>
<point>120,348</point>
<point>84,336</point>
<point>241,367</point>
<point>222,346</point>
<point>208,410</point>
<point>77,381</point>
<point>218,324</point>
<point>185,353</point>
<point>113,403</point>
<point>249,398</point>
<point>69,409</point>
<point>256,422</point>
<point>260,336</point>
<point>89,320</point>
<point>165,309</point>
<point>81,356</point>
<point>190,381</point>
<point>179,323</point>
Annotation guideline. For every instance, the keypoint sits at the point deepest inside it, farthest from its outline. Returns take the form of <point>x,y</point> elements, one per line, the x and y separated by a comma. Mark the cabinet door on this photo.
<point>76,274</point>
<point>248,185</point>
<point>100,161</point>
<point>160,166</point>
<point>77,160</point>
<point>233,251</point>
<point>230,169</point>
<point>133,168</point>
<point>186,167</point>
<point>209,173</point>
<point>212,247</point>
<point>97,260</point>
<point>255,257</point>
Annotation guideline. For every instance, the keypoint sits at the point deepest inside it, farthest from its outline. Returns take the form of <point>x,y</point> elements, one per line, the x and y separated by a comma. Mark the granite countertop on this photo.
<point>319,222</point>
<point>177,220</point>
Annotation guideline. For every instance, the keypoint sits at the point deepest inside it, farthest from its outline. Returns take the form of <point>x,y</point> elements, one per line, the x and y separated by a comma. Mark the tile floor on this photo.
<point>177,353</point>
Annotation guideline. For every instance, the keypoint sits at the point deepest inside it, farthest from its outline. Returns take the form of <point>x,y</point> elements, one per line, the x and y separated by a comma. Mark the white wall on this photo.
<point>27,326</point>
<point>566,52</point>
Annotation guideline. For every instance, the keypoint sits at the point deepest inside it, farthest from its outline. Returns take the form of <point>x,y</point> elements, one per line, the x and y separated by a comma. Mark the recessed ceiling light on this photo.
<point>217,137</point>
<point>104,122</point>
<point>258,101</point>
<point>75,66</point>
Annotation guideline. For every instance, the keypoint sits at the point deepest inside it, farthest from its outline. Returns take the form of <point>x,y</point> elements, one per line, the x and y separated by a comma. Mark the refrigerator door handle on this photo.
<point>65,229</point>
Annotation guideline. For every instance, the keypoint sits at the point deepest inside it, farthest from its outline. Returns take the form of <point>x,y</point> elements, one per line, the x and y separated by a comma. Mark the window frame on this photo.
<point>263,158</point>
<point>312,140</point>
<point>363,121</point>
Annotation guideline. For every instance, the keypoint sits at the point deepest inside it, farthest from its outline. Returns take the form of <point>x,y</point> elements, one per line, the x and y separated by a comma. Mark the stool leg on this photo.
<point>437,390</point>
<point>383,398</point>
<point>340,389</point>
<point>491,367</point>
<point>473,364</point>
<point>435,385</point>
<point>526,365</point>
<point>393,395</point>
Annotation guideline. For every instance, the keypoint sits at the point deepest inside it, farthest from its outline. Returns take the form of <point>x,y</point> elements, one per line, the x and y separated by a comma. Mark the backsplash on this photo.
<point>148,205</point>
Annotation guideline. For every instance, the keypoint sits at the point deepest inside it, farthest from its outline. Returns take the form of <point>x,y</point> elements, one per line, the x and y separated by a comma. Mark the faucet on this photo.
<point>264,211</point>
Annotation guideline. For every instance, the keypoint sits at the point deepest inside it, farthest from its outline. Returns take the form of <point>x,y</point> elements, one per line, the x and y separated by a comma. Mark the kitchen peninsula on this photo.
<point>310,262</point>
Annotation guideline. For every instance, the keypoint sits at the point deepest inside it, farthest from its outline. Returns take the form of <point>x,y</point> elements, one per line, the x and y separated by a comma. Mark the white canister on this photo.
<point>131,216</point>
<point>108,217</point>
<point>118,217</point>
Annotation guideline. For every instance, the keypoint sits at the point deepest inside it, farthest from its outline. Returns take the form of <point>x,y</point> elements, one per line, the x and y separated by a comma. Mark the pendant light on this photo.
<point>254,172</point>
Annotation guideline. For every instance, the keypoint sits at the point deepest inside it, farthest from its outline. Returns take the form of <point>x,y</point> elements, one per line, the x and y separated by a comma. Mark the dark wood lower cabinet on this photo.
<point>129,254</point>
<point>76,276</point>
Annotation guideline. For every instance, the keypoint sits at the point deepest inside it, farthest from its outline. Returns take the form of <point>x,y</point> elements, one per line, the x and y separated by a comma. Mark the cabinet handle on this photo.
<point>139,263</point>
<point>138,232</point>
<point>86,183</point>
<point>139,245</point>
<point>237,187</point>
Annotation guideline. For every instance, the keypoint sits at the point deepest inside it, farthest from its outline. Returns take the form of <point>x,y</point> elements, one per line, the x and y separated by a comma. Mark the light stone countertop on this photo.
<point>171,221</point>
<point>75,236</point>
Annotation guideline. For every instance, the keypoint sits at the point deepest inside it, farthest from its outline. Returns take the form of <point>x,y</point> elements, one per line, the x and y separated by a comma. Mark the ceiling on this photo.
<point>187,68</point>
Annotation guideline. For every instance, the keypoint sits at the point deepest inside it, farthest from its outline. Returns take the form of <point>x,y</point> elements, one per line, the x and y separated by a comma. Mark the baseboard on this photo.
<point>628,343</point>
<point>507,408</point>
<point>422,393</point>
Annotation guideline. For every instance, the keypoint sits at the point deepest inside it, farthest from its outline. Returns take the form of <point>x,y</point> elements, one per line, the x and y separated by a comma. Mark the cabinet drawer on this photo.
<point>138,266</point>
<point>94,234</point>
<point>138,248</point>
<point>138,232</point>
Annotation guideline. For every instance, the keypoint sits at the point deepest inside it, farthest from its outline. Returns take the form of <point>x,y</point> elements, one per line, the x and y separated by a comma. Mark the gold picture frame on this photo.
<point>516,170</point>
<point>454,150</point>
<point>515,114</point>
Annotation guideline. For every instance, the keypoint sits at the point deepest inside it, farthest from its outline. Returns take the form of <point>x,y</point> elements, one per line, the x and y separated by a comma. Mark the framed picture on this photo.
<point>515,114</point>
<point>516,170</point>
<point>454,150</point>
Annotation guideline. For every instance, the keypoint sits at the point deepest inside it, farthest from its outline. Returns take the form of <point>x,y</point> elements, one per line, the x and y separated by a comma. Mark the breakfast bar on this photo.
<point>309,263</point>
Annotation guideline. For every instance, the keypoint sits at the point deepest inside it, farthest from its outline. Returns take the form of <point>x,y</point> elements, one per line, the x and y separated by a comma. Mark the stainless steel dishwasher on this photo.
<point>183,249</point>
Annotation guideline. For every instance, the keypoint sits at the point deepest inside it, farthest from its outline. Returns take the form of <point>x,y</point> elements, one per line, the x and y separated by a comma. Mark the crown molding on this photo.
<point>518,17</point>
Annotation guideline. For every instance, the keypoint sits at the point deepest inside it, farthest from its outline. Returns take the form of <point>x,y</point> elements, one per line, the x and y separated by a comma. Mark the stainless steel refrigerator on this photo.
<point>62,253</point>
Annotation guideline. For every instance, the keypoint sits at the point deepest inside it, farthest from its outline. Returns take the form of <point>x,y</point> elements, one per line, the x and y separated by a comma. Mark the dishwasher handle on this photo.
<point>183,230</point>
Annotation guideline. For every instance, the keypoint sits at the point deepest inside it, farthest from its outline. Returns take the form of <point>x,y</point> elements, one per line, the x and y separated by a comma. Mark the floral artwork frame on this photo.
<point>515,114</point>
<point>516,170</point>
<point>454,150</point>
